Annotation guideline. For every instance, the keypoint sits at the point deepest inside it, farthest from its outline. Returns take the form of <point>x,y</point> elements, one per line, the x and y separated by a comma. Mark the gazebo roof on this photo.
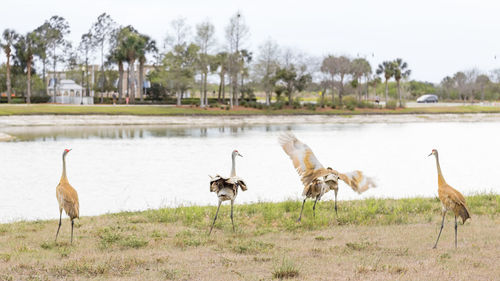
<point>67,84</point>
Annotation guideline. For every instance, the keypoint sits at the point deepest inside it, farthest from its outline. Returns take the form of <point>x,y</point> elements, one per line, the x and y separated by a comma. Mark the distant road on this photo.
<point>441,104</point>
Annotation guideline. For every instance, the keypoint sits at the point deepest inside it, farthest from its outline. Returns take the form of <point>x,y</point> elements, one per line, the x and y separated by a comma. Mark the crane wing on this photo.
<point>305,162</point>
<point>357,181</point>
<point>238,182</point>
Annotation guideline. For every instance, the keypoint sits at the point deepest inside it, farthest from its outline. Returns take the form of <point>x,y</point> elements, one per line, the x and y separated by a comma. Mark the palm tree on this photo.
<point>24,51</point>
<point>401,70</point>
<point>9,37</point>
<point>117,55</point>
<point>149,47</point>
<point>129,45</point>
<point>387,69</point>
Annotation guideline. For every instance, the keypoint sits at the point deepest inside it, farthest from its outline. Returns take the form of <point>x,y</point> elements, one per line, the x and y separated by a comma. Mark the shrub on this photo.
<point>392,104</point>
<point>350,102</point>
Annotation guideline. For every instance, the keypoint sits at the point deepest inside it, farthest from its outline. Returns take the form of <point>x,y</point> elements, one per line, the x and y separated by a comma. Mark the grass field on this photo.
<point>38,109</point>
<point>372,239</point>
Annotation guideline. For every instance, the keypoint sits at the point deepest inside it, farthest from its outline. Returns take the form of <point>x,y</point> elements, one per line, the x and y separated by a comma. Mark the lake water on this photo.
<point>116,168</point>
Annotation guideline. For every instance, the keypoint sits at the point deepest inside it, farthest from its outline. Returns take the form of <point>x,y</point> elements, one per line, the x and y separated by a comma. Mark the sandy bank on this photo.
<point>5,137</point>
<point>61,120</point>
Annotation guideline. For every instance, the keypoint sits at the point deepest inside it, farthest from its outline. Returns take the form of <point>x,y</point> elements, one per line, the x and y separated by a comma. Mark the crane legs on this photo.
<point>72,223</point>
<point>215,217</point>
<point>300,216</point>
<point>336,203</point>
<point>456,231</point>
<point>314,207</point>
<point>442,224</point>
<point>232,202</point>
<point>60,216</point>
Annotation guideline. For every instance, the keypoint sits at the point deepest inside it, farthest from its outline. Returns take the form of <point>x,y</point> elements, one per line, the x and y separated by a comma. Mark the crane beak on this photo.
<point>240,154</point>
<point>429,154</point>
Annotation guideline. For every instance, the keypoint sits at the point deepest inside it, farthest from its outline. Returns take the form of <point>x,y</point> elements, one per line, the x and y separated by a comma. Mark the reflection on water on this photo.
<point>118,168</point>
<point>53,133</point>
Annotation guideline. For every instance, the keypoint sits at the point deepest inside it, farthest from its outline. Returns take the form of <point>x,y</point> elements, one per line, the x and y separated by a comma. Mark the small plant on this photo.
<point>285,270</point>
<point>134,242</point>
<point>350,102</point>
<point>392,104</point>
<point>5,257</point>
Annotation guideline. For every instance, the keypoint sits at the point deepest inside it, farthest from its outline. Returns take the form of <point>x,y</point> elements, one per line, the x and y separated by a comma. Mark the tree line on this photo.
<point>187,62</point>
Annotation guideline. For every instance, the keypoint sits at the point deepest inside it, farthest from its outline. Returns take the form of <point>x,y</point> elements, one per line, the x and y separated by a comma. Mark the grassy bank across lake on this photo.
<point>376,239</point>
<point>145,110</point>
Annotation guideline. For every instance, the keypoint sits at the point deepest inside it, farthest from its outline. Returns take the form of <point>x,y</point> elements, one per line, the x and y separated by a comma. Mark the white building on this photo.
<point>68,92</point>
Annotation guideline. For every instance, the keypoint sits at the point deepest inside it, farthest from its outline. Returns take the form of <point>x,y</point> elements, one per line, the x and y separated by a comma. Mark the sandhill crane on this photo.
<point>67,198</point>
<point>227,188</point>
<point>316,179</point>
<point>451,199</point>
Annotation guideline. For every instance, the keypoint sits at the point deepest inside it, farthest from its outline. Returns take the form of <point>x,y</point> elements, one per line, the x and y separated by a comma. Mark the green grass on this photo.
<point>282,216</point>
<point>369,238</point>
<point>45,109</point>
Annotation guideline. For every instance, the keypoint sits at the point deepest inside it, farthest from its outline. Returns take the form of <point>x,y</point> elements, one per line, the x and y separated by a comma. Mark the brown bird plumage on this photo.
<point>67,198</point>
<point>451,199</point>
<point>227,188</point>
<point>316,179</point>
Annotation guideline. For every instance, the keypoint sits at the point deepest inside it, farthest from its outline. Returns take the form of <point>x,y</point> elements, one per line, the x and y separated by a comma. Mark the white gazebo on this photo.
<point>68,92</point>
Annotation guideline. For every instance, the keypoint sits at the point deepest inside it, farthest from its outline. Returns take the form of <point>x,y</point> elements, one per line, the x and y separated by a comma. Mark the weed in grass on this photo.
<point>133,242</point>
<point>5,277</point>
<point>444,256</point>
<point>358,246</point>
<point>187,238</point>
<point>158,235</point>
<point>251,247</point>
<point>261,259</point>
<point>24,249</point>
<point>170,274</point>
<point>3,229</point>
<point>108,237</point>
<point>47,245</point>
<point>64,251</point>
<point>5,257</point>
<point>285,270</point>
<point>117,266</point>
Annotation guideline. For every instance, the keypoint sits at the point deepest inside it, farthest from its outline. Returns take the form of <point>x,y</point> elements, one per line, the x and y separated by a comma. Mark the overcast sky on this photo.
<point>436,38</point>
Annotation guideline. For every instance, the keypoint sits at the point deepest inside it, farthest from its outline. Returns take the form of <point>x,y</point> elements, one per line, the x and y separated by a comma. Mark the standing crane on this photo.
<point>451,199</point>
<point>227,188</point>
<point>316,179</point>
<point>67,198</point>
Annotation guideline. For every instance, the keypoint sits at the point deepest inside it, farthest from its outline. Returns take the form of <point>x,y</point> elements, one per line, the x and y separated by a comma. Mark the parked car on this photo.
<point>427,98</point>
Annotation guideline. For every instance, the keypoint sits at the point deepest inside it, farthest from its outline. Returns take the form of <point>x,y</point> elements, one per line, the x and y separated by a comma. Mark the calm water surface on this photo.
<point>117,168</point>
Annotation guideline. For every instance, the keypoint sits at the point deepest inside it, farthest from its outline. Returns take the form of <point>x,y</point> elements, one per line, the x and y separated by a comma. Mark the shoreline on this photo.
<point>210,120</point>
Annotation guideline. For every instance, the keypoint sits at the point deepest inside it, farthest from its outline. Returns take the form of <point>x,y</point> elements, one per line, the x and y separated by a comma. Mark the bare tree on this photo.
<point>206,40</point>
<point>344,67</point>
<point>236,34</point>
<point>266,66</point>
<point>470,84</point>
<point>102,31</point>
<point>329,66</point>
<point>86,49</point>
<point>460,83</point>
<point>179,34</point>
<point>482,81</point>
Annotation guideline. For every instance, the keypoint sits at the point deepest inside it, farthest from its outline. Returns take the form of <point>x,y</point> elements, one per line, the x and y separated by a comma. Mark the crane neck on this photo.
<point>63,176</point>
<point>233,168</point>
<point>440,174</point>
